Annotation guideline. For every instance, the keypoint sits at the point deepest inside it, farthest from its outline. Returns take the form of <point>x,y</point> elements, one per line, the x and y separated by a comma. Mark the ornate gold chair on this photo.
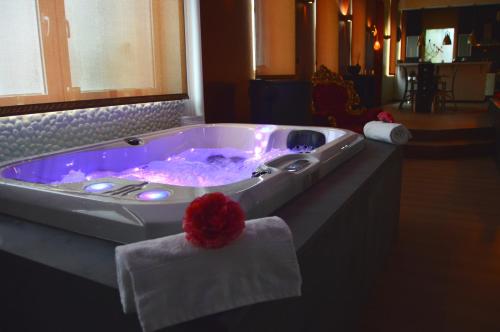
<point>336,102</point>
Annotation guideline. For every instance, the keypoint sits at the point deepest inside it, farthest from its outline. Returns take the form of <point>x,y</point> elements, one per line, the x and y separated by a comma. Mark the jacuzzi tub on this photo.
<point>136,188</point>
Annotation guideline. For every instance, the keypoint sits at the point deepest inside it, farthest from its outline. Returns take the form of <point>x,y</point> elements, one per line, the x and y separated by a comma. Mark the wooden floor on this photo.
<point>466,130</point>
<point>444,273</point>
<point>466,115</point>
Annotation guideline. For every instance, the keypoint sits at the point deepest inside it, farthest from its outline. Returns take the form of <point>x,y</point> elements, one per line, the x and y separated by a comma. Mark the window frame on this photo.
<point>58,75</point>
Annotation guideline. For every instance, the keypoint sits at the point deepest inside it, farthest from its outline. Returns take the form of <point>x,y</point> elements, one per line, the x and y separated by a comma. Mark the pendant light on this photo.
<point>447,39</point>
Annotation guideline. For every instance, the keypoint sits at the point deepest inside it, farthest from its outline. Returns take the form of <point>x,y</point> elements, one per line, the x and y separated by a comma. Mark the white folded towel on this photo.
<point>169,281</point>
<point>394,133</point>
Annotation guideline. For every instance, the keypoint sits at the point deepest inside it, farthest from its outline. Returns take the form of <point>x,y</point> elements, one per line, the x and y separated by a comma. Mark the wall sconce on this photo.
<point>447,39</point>
<point>372,30</point>
<point>387,36</point>
<point>343,6</point>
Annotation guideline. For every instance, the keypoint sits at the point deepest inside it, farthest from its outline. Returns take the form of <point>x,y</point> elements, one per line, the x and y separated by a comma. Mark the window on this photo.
<point>22,71</point>
<point>412,47</point>
<point>70,50</point>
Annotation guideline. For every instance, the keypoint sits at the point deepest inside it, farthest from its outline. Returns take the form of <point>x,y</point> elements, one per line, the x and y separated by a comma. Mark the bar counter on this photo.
<point>470,81</point>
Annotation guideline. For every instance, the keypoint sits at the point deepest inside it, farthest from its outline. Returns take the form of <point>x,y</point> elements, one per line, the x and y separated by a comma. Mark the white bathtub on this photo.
<point>132,189</point>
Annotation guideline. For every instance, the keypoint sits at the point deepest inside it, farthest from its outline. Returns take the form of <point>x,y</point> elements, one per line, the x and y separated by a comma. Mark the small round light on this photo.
<point>153,195</point>
<point>99,187</point>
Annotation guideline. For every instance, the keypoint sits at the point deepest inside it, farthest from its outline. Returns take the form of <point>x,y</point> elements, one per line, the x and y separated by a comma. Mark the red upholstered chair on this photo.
<point>336,103</point>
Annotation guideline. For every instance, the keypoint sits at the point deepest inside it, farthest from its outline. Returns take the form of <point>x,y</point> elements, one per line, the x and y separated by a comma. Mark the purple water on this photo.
<point>193,167</point>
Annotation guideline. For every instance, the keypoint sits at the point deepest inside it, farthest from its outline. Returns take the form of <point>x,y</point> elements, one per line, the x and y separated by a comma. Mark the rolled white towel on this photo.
<point>394,133</point>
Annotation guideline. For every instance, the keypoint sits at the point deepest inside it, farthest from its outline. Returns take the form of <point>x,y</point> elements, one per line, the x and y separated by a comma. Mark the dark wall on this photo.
<point>478,18</point>
<point>284,102</point>
<point>482,20</point>
<point>304,41</point>
<point>413,22</point>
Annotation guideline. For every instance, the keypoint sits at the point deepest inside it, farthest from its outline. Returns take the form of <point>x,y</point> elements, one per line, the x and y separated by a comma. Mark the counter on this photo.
<point>343,229</point>
<point>470,84</point>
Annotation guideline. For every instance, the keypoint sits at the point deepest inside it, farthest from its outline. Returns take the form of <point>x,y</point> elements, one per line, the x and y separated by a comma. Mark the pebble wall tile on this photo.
<point>28,135</point>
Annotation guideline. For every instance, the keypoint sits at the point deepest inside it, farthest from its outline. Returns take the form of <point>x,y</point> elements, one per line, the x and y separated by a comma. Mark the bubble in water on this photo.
<point>193,167</point>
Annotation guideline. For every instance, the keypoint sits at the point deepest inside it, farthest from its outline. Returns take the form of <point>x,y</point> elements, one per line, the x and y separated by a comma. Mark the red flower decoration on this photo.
<point>385,117</point>
<point>213,221</point>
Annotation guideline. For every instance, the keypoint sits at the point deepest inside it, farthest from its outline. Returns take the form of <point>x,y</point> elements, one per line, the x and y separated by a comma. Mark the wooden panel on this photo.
<point>71,105</point>
<point>395,19</point>
<point>327,34</point>
<point>305,30</point>
<point>359,26</point>
<point>220,103</point>
<point>226,50</point>
<point>440,18</point>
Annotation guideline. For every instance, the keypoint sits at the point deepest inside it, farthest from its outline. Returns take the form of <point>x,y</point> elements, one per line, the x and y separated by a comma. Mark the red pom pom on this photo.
<point>385,116</point>
<point>213,221</point>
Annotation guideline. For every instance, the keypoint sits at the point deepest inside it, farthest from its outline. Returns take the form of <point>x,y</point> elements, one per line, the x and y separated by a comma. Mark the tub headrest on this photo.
<point>305,140</point>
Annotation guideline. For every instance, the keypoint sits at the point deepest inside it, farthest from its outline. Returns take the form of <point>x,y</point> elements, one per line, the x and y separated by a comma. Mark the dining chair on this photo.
<point>446,92</point>
<point>410,90</point>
